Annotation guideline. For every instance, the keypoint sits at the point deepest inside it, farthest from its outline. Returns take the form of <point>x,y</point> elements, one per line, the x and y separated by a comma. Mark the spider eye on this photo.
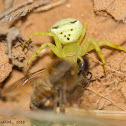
<point>55,27</point>
<point>73,22</point>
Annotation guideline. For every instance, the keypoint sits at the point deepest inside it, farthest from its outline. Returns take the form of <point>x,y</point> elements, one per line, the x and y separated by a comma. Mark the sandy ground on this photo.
<point>104,92</point>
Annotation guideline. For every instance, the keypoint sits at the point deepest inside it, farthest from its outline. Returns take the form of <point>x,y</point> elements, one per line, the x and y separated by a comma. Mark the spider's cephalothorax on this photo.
<point>68,35</point>
<point>68,30</point>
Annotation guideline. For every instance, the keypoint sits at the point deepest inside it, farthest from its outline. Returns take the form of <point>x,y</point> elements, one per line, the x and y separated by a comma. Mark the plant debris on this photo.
<point>23,8</point>
<point>14,55</point>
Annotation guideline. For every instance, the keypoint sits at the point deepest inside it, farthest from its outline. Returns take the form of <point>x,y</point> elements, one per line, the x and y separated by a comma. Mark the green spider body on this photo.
<point>69,32</point>
<point>72,51</point>
<point>68,35</point>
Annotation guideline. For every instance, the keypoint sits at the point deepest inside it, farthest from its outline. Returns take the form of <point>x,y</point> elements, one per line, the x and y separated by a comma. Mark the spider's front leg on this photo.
<point>58,44</point>
<point>91,44</point>
<point>37,33</point>
<point>57,48</point>
<point>104,42</point>
<point>52,47</point>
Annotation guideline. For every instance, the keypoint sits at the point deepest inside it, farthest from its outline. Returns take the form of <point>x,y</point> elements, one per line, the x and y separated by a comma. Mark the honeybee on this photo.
<point>60,84</point>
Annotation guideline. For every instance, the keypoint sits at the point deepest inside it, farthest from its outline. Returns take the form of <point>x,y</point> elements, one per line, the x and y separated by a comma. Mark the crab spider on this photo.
<point>68,35</point>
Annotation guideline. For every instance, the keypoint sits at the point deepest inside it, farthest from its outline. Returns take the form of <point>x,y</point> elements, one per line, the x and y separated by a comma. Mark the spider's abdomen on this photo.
<point>68,30</point>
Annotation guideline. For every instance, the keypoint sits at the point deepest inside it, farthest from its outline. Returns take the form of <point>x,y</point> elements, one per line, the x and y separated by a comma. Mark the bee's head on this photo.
<point>62,71</point>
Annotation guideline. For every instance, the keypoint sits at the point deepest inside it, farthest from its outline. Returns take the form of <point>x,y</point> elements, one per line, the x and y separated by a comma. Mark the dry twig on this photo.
<point>119,72</point>
<point>5,13</point>
<point>49,6</point>
<point>11,34</point>
<point>106,99</point>
<point>20,10</point>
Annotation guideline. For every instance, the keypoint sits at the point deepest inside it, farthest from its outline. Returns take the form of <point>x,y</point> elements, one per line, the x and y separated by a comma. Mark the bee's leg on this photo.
<point>88,80</point>
<point>61,100</point>
<point>56,101</point>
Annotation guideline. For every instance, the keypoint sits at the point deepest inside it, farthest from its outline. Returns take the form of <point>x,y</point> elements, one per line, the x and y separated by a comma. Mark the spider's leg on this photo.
<point>91,44</point>
<point>104,42</point>
<point>38,33</point>
<point>52,47</point>
<point>83,34</point>
<point>57,42</point>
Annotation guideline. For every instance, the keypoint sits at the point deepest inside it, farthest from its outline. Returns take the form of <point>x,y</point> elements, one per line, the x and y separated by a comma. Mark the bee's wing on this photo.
<point>25,81</point>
